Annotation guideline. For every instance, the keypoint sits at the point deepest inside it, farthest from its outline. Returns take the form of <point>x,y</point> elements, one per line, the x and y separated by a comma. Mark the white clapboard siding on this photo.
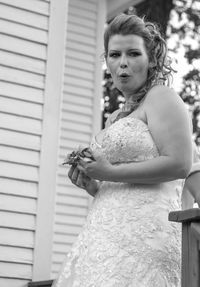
<point>22,16</point>
<point>20,188</point>
<point>22,62</point>
<point>76,126</point>
<point>23,55</point>
<point>20,92</point>
<point>17,139</point>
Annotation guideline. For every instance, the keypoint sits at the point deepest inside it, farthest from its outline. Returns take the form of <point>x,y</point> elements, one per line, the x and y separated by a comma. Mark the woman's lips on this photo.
<point>124,77</point>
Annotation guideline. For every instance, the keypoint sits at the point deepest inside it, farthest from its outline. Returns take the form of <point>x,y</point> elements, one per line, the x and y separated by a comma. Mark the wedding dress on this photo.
<point>127,240</point>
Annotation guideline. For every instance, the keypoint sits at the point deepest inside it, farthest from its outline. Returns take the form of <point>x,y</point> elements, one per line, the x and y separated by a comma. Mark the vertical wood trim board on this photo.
<point>49,141</point>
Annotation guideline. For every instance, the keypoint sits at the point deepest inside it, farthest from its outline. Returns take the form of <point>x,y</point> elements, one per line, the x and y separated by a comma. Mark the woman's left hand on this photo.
<point>99,169</point>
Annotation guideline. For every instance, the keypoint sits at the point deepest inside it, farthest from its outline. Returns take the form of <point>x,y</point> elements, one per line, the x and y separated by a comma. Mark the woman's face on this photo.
<point>128,62</point>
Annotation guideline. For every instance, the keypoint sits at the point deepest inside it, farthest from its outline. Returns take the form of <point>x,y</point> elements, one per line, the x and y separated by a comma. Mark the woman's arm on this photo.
<point>192,183</point>
<point>169,124</point>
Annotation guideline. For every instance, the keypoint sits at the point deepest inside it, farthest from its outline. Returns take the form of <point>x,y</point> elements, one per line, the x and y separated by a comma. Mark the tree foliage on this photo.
<point>180,22</point>
<point>185,25</point>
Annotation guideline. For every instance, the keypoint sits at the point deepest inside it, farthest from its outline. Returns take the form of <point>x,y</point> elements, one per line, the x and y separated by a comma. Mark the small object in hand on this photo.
<point>74,157</point>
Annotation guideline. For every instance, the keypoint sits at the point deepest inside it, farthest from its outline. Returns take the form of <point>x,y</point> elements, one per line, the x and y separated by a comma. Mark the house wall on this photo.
<point>23,55</point>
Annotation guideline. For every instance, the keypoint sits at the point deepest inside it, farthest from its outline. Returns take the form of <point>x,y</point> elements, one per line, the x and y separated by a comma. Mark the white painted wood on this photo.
<point>23,16</point>
<point>86,5</point>
<point>80,47</point>
<point>81,21</point>
<point>76,28</point>
<point>80,91</point>
<point>76,11</point>
<point>63,199</point>
<point>81,110</point>
<point>21,77</point>
<point>86,75</point>
<point>81,136</point>
<point>16,187</point>
<point>13,282</point>
<point>20,108</point>
<point>19,155</point>
<point>61,240</point>
<point>77,127</point>
<point>83,39</point>
<point>18,171</point>
<point>79,82</point>
<point>17,270</point>
<point>19,221</point>
<point>69,189</point>
<point>22,62</point>
<point>16,254</point>
<point>21,92</point>
<point>72,62</point>
<point>20,238</point>
<point>75,220</point>
<point>77,117</point>
<point>68,229</point>
<point>77,99</point>
<point>22,47</point>
<point>17,204</point>
<point>16,123</point>
<point>79,139</point>
<point>34,6</point>
<point>49,145</point>
<point>20,140</point>
<point>24,32</point>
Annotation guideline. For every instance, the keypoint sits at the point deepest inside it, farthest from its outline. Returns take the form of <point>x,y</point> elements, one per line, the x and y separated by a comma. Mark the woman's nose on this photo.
<point>123,62</point>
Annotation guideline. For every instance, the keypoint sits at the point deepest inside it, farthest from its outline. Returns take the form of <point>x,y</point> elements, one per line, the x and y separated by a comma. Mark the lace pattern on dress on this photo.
<point>127,240</point>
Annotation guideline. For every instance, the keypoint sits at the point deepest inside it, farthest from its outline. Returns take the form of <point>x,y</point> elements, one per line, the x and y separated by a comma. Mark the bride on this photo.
<point>136,171</point>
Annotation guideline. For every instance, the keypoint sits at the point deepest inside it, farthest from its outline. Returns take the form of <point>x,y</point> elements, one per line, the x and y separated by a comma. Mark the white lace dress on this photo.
<point>127,240</point>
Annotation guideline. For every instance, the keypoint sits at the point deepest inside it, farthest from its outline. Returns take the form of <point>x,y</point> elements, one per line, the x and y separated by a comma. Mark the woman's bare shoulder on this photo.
<point>161,95</point>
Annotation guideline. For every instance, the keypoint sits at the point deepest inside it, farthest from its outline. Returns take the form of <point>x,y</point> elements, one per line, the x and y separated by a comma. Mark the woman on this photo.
<point>140,162</point>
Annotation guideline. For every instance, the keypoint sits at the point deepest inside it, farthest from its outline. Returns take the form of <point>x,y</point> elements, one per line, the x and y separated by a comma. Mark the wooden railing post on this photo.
<point>190,219</point>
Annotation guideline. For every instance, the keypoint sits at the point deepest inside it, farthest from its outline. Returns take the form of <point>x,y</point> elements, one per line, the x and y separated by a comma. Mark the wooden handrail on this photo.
<point>190,219</point>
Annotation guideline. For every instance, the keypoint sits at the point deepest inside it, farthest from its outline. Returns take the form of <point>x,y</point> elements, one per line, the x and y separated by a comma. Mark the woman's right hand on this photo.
<point>81,180</point>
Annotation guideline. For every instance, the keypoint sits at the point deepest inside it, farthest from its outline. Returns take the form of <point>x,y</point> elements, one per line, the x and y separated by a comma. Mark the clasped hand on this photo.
<point>84,172</point>
<point>99,168</point>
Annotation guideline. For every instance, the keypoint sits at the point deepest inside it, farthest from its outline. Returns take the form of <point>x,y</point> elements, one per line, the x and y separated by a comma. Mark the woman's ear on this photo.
<point>152,64</point>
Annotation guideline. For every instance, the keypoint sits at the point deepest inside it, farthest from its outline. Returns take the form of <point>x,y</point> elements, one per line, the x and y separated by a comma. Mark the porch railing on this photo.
<point>47,283</point>
<point>190,219</point>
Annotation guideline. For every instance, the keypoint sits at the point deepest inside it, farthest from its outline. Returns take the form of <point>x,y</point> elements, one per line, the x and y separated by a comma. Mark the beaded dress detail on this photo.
<point>127,240</point>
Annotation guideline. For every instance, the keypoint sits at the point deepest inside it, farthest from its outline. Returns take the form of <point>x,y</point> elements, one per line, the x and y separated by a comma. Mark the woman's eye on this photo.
<point>114,55</point>
<point>134,54</point>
